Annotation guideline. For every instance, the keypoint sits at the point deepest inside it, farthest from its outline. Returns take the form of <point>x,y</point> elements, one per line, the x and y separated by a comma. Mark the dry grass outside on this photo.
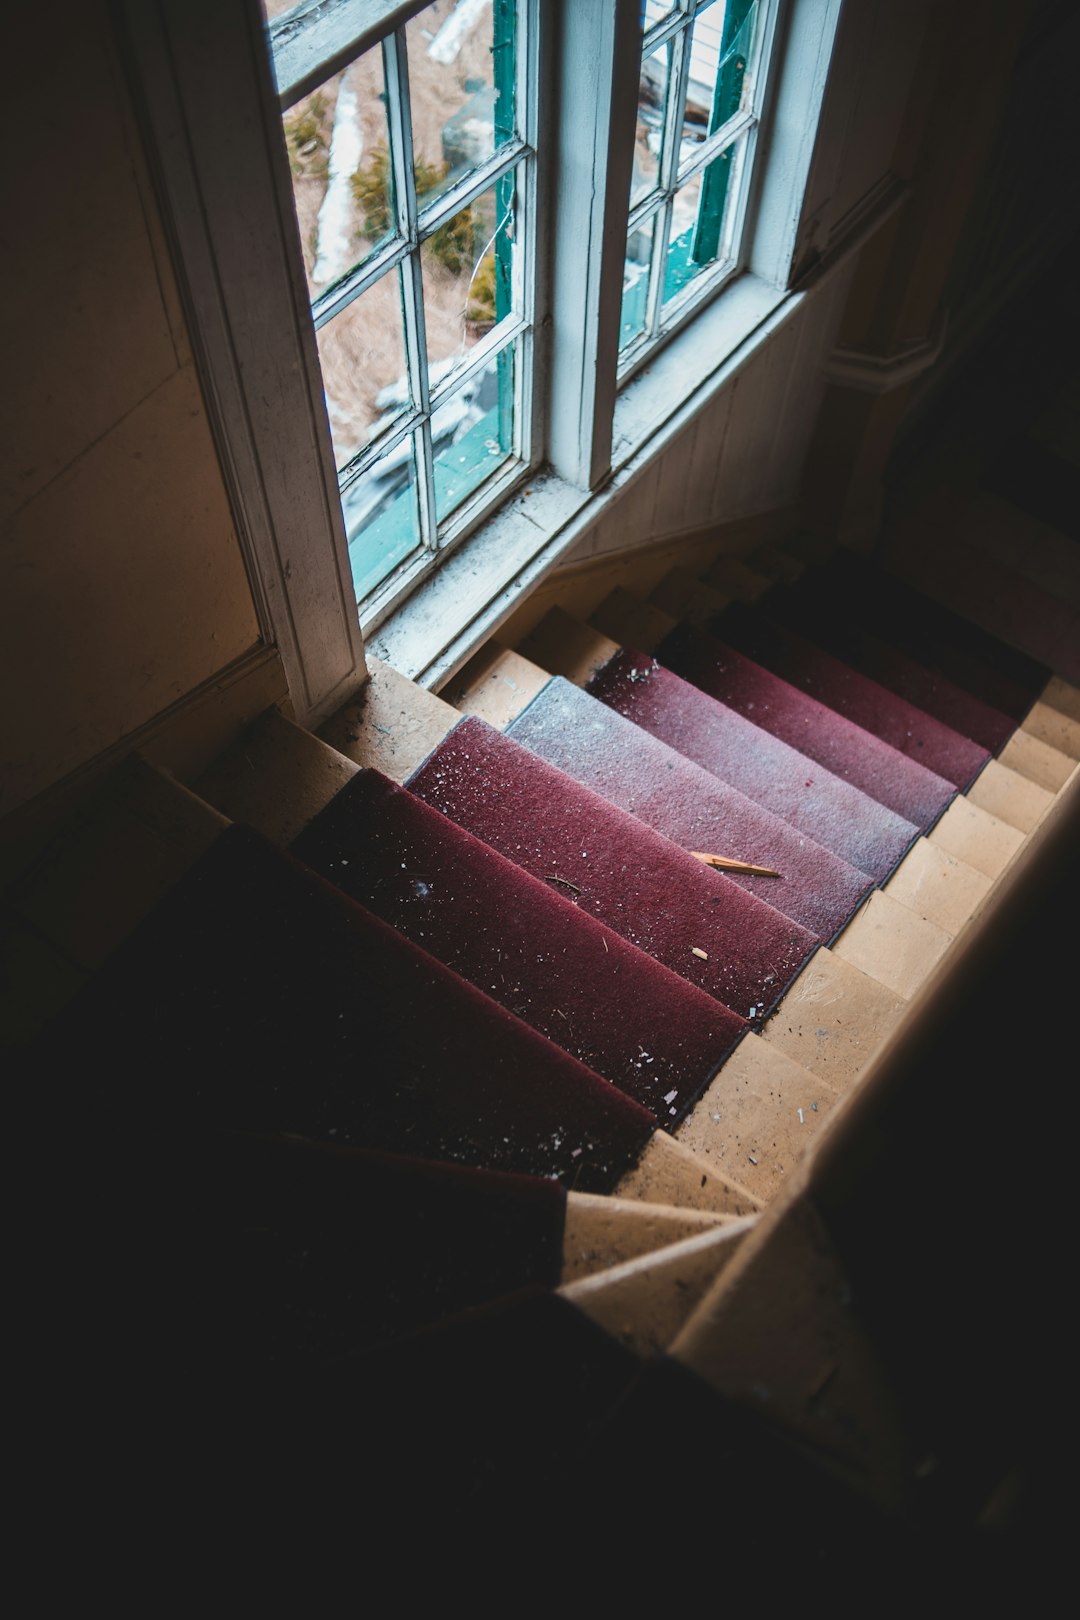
<point>365,355</point>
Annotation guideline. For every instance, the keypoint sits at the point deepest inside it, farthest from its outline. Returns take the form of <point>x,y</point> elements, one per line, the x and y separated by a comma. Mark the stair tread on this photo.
<point>391,723</point>
<point>1064,697</point>
<point>893,943</point>
<point>1039,761</point>
<point>1021,613</point>
<point>893,719</point>
<point>669,1171</point>
<point>833,812</point>
<point>737,579</point>
<point>495,685</point>
<point>982,840</point>
<point>965,521</point>
<point>833,1019</point>
<point>340,1248</point>
<point>759,1116</point>
<point>1052,725</point>
<point>847,750</point>
<point>779,564</point>
<point>601,1232</point>
<point>565,645</point>
<point>276,778</point>
<point>631,621</point>
<point>676,797</point>
<point>682,594</point>
<point>941,887</point>
<point>612,1006</point>
<point>854,637</point>
<point>1010,796</point>
<point>273,1003</point>
<point>929,631</point>
<point>644,1302</point>
<point>110,864</point>
<point>692,919</point>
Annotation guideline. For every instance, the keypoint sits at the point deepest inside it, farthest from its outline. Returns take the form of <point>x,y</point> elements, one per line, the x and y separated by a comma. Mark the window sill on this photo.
<point>437,628</point>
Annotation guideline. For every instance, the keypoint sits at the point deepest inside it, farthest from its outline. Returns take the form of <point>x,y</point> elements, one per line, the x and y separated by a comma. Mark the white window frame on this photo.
<point>671,32</point>
<point>201,73</point>
<point>309,44</point>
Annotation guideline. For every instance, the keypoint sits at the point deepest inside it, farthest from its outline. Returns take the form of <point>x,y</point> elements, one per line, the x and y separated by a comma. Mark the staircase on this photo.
<point>613,1081</point>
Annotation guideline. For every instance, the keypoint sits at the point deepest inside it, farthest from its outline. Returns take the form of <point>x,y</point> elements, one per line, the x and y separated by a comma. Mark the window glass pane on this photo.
<point>635,295</point>
<point>382,520</point>
<point>704,56</point>
<point>472,433</point>
<point>337,141</point>
<point>652,95</point>
<point>468,276</point>
<point>653,12</point>
<point>362,354</point>
<point>461,85</point>
<point>697,238</point>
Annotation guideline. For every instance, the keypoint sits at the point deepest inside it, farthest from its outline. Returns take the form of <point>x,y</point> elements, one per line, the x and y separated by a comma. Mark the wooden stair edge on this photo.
<point>723,1338</point>
<point>644,1300</point>
<point>602,1231</point>
<point>669,1172</point>
<point>276,778</point>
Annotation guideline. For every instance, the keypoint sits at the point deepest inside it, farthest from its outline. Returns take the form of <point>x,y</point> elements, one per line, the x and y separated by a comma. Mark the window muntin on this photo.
<point>699,100</point>
<point>412,181</point>
<point>430,409</point>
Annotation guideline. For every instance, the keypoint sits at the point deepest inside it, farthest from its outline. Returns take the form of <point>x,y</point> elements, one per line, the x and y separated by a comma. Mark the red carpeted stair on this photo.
<point>884,714</point>
<point>524,943</point>
<point>258,997</point>
<point>836,814</point>
<point>312,1251</point>
<point>849,632</point>
<point>693,920</point>
<point>848,750</point>
<point>339,1093</point>
<point>696,810</point>
<point>934,635</point>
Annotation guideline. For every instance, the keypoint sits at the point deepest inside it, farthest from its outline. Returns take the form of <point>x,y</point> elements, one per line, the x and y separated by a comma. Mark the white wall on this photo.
<point>122,581</point>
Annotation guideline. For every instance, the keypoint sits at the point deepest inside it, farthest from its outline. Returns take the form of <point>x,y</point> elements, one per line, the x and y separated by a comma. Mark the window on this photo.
<point>412,180</point>
<point>538,263</point>
<point>412,145</point>
<point>699,101</point>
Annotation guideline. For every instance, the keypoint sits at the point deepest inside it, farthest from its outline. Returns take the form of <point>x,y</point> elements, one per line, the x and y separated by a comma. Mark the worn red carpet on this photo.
<point>695,921</point>
<point>519,940</point>
<point>835,814</point>
<point>865,702</point>
<point>936,636</point>
<point>298,1251</point>
<point>257,997</point>
<point>855,639</point>
<point>845,749</point>
<point>639,773</point>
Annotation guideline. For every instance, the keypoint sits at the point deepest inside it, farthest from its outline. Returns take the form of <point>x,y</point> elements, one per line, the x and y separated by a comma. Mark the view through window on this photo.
<point>698,102</point>
<point>412,151</point>
<point>409,176</point>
